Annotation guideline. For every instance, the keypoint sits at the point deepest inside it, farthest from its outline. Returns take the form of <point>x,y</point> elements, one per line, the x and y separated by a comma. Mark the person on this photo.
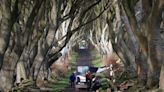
<point>72,79</point>
<point>88,79</point>
<point>96,84</point>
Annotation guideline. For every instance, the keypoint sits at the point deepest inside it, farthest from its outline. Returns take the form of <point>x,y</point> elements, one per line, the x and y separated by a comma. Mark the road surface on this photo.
<point>83,59</point>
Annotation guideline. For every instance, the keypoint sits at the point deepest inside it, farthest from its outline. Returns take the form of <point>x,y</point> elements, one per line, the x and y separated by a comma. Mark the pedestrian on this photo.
<point>88,79</point>
<point>96,84</point>
<point>72,79</point>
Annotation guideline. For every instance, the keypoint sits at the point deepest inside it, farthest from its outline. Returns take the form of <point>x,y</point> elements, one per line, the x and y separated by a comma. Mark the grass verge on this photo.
<point>96,59</point>
<point>63,82</point>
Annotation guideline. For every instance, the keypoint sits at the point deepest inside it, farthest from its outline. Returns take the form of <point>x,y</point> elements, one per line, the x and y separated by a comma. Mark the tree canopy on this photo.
<point>34,33</point>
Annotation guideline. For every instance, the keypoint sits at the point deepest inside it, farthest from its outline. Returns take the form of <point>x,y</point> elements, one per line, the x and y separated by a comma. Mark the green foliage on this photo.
<point>60,84</point>
<point>101,75</point>
<point>96,62</point>
<point>73,57</point>
<point>96,59</point>
<point>104,83</point>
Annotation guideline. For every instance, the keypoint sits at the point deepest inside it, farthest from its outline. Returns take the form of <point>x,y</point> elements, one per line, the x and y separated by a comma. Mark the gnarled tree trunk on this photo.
<point>5,29</point>
<point>155,49</point>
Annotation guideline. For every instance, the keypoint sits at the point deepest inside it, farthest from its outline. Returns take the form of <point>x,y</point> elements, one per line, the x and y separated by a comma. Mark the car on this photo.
<point>80,77</point>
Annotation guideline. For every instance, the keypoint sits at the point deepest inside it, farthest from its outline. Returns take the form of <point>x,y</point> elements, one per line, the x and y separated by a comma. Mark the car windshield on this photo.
<point>81,70</point>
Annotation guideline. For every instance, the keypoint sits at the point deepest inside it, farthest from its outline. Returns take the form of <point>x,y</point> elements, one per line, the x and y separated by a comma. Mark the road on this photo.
<point>83,59</point>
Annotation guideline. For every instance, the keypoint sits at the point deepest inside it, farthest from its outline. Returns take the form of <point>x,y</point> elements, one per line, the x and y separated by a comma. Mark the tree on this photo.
<point>30,34</point>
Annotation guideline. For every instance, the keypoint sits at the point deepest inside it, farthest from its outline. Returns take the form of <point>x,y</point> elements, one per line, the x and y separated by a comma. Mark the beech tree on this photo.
<point>30,30</point>
<point>34,34</point>
<point>135,34</point>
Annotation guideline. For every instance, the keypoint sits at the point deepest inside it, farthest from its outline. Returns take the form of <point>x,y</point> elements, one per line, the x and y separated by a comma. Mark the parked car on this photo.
<point>80,77</point>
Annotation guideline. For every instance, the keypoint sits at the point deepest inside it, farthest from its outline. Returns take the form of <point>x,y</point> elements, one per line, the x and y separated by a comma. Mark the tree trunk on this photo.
<point>142,68</point>
<point>5,28</point>
<point>31,60</point>
<point>154,59</point>
<point>21,72</point>
<point>127,11</point>
<point>6,79</point>
<point>39,59</point>
<point>155,49</point>
<point>141,63</point>
<point>129,54</point>
<point>7,72</point>
<point>155,56</point>
<point>161,84</point>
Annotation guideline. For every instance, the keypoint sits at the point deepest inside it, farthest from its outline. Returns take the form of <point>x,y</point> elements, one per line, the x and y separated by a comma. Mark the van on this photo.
<point>80,76</point>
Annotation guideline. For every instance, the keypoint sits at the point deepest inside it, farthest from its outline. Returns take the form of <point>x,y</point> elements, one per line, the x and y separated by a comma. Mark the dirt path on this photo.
<point>82,59</point>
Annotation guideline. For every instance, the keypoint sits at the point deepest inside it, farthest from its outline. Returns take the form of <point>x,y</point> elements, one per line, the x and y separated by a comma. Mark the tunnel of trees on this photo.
<point>33,34</point>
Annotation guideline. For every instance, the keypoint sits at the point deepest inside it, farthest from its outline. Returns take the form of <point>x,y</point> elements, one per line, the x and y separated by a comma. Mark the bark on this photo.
<point>140,60</point>
<point>142,68</point>
<point>10,60</point>
<point>161,84</point>
<point>21,68</point>
<point>5,32</point>
<point>7,72</point>
<point>6,79</point>
<point>27,56</point>
<point>38,61</point>
<point>31,60</point>
<point>8,68</point>
<point>128,9</point>
<point>151,47</point>
<point>155,58</point>
<point>5,28</point>
<point>129,54</point>
<point>28,27</point>
<point>20,72</point>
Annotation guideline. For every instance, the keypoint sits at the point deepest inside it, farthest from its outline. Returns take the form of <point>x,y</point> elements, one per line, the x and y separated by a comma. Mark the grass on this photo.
<point>73,60</point>
<point>96,59</point>
<point>63,82</point>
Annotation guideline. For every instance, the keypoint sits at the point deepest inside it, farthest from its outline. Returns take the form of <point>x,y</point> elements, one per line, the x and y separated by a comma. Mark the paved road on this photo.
<point>82,59</point>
